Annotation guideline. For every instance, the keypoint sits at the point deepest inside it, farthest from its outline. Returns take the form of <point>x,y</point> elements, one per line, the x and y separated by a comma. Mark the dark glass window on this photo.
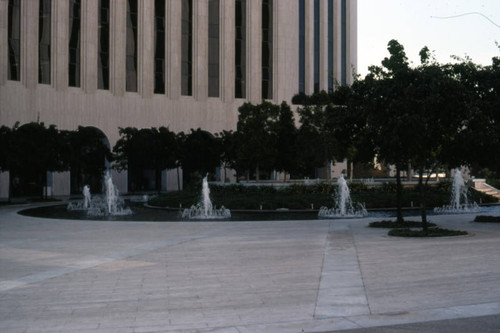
<point>14,36</point>
<point>74,43</point>
<point>267,49</point>
<point>302,47</point>
<point>330,45</point>
<point>240,57</point>
<point>103,45</point>
<point>131,48</point>
<point>343,77</point>
<point>44,41</point>
<point>213,48</point>
<point>316,46</point>
<point>159,47</point>
<point>187,48</point>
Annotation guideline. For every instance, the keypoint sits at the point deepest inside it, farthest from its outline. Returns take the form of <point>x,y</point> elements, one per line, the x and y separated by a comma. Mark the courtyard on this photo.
<point>268,276</point>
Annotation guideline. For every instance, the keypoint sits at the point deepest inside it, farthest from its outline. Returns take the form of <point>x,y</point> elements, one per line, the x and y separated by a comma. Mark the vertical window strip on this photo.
<point>103,45</point>
<point>330,46</point>
<point>44,41</point>
<point>187,48</point>
<point>159,47</point>
<point>240,49</point>
<point>14,40</point>
<point>343,24</point>
<point>267,49</point>
<point>302,47</point>
<point>213,48</point>
<point>74,43</point>
<point>316,46</point>
<point>131,47</point>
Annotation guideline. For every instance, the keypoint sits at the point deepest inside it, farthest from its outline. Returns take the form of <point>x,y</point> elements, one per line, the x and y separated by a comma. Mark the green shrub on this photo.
<point>389,187</point>
<point>487,218</point>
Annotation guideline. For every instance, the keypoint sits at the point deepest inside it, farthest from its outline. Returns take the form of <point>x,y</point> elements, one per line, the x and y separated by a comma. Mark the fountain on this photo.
<point>82,205</point>
<point>459,202</point>
<point>86,197</point>
<point>343,205</point>
<point>110,204</point>
<point>204,210</point>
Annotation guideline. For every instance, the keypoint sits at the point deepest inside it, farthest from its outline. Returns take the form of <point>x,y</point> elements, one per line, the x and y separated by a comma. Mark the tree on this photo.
<point>257,137</point>
<point>145,149</point>
<point>286,132</point>
<point>5,147</point>
<point>87,153</point>
<point>320,124</point>
<point>201,154</point>
<point>35,150</point>
<point>480,134</point>
<point>228,142</point>
<point>389,120</point>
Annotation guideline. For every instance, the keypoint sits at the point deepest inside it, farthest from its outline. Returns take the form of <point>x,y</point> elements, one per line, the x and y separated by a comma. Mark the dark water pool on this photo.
<point>143,213</point>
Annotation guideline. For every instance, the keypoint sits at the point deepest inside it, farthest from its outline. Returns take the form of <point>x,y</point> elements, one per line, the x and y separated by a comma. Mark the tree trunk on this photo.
<point>178,180</point>
<point>158,179</point>
<point>10,188</point>
<point>399,194</point>
<point>43,178</point>
<point>423,211</point>
<point>257,173</point>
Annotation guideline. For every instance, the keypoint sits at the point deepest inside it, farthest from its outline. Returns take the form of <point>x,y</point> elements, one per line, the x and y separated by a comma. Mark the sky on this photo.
<point>415,24</point>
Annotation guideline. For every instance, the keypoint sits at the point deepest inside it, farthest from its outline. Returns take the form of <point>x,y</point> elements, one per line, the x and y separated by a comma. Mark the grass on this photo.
<point>431,232</point>
<point>398,225</point>
<point>487,219</point>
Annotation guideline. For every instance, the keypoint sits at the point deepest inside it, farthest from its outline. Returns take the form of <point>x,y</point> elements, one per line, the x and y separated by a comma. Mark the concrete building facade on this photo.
<point>182,64</point>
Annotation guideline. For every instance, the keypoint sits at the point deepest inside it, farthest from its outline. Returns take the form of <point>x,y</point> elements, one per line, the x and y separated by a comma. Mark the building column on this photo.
<point>309,47</point>
<point>352,39</point>
<point>118,42</point>
<point>227,40</point>
<point>29,44</point>
<point>61,182</point>
<point>254,51</point>
<point>4,36</point>
<point>60,48</point>
<point>337,40</point>
<point>4,185</point>
<point>89,46</point>
<point>145,54</point>
<point>286,48</point>
<point>323,45</point>
<point>200,49</point>
<point>173,40</point>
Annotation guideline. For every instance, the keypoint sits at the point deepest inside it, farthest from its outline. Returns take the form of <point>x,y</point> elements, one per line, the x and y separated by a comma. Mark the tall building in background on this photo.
<point>178,63</point>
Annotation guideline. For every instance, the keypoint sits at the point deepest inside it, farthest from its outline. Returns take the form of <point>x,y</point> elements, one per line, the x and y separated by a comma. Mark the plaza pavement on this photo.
<point>272,276</point>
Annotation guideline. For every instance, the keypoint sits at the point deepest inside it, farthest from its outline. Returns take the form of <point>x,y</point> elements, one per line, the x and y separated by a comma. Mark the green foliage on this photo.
<point>33,150</point>
<point>293,196</point>
<point>286,132</point>
<point>201,154</point>
<point>87,154</point>
<point>431,232</point>
<point>257,138</point>
<point>5,147</point>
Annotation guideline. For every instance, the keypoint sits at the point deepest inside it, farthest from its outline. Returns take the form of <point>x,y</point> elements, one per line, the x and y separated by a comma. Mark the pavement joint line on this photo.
<point>7,285</point>
<point>340,252</point>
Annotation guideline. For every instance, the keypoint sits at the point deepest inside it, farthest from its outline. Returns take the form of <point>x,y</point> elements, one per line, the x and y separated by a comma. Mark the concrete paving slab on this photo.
<point>274,276</point>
